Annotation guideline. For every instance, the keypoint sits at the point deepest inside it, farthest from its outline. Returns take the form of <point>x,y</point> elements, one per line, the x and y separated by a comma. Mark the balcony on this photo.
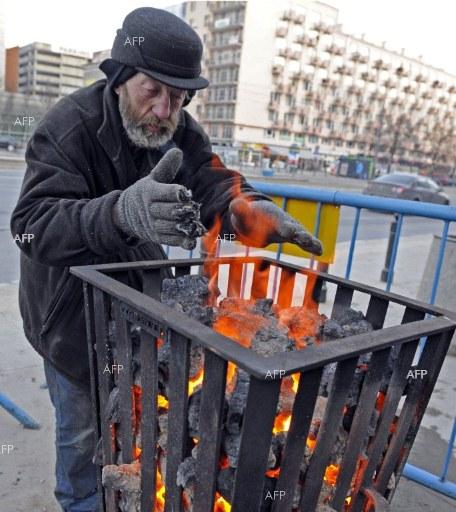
<point>285,53</point>
<point>290,88</point>
<point>296,75</point>
<point>344,70</point>
<point>287,15</point>
<point>277,69</point>
<point>408,89</point>
<point>420,79</point>
<point>368,77</point>
<point>296,55</point>
<point>334,49</point>
<point>281,31</point>
<point>322,28</point>
<point>381,65</point>
<point>401,72</point>
<point>358,58</point>
<point>273,105</point>
<point>354,91</point>
<point>437,84</point>
<point>310,42</point>
<point>318,63</point>
<point>389,84</point>
<point>426,95</point>
<point>221,7</point>
<point>326,83</point>
<point>309,96</point>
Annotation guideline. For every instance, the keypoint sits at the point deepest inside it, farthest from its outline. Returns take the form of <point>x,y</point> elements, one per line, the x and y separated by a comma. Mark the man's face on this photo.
<point>149,110</point>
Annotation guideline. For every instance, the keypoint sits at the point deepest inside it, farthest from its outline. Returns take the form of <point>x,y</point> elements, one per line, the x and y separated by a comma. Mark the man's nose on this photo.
<point>162,108</point>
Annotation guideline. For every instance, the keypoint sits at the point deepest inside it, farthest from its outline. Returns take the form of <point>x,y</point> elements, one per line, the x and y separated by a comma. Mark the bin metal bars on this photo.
<point>104,293</point>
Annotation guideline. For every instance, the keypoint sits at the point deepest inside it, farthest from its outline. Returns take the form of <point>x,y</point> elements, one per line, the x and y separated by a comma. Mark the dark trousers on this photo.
<point>76,484</point>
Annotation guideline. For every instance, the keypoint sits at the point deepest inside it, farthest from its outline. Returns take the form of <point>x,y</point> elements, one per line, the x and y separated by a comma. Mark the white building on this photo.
<point>285,73</point>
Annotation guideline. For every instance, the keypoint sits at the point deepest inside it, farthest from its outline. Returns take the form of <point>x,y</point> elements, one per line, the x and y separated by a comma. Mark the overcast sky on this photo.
<point>422,27</point>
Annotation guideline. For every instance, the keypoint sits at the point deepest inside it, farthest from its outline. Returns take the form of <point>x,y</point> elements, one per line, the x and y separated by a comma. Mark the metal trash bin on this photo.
<point>361,473</point>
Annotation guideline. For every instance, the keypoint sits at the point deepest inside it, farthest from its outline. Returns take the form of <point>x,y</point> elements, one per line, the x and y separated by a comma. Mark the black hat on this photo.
<point>160,45</point>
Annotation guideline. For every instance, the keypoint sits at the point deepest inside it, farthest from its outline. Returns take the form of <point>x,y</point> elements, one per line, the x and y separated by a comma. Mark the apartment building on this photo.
<point>47,72</point>
<point>92,72</point>
<point>286,74</point>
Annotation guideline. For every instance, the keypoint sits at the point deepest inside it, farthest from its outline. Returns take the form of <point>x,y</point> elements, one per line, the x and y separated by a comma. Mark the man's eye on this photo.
<point>151,92</point>
<point>178,95</point>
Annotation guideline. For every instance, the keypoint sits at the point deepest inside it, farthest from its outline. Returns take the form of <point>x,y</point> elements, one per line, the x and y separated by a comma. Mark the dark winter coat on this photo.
<point>78,161</point>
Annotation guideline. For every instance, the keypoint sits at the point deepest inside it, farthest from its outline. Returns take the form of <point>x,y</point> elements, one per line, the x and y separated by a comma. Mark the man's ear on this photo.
<point>117,89</point>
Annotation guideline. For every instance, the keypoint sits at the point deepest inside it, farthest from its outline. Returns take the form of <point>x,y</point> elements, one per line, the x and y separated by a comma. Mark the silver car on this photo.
<point>407,186</point>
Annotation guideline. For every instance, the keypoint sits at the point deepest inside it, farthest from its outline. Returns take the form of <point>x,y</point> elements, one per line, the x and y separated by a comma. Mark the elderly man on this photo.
<point>113,171</point>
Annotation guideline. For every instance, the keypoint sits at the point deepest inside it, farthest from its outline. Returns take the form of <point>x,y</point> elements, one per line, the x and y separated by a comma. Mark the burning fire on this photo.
<point>159,494</point>
<point>221,505</point>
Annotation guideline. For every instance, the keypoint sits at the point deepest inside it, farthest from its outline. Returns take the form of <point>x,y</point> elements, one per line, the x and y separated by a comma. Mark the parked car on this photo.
<point>9,143</point>
<point>407,186</point>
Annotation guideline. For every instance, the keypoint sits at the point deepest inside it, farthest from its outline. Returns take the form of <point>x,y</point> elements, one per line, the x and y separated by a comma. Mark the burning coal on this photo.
<point>267,329</point>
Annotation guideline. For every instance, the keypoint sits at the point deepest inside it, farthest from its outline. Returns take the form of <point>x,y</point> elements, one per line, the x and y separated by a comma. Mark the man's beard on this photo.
<point>137,130</point>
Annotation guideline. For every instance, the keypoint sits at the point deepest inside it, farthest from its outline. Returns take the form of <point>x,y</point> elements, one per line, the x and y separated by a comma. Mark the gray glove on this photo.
<point>152,209</point>
<point>259,223</point>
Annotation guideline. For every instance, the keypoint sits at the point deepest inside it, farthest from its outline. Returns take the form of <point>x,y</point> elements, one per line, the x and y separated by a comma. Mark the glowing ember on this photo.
<point>295,377</point>
<point>159,494</point>
<point>224,462</point>
<point>331,474</point>
<point>311,442</point>
<point>221,505</point>
<point>162,402</point>
<point>282,423</point>
<point>195,381</point>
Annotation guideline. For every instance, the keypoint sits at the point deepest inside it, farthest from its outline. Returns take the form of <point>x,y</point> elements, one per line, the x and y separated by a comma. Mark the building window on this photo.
<point>284,135</point>
<point>313,139</point>
<point>269,134</point>
<point>227,131</point>
<point>213,130</point>
<point>288,118</point>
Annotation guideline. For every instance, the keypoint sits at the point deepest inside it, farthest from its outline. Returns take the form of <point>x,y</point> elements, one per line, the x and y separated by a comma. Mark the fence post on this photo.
<point>389,250</point>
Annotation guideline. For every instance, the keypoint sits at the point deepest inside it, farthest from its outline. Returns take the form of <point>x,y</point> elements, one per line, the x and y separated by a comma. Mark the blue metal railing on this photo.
<point>401,208</point>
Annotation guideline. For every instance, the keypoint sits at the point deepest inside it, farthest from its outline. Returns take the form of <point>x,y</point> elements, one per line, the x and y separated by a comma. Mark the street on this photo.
<point>373,225</point>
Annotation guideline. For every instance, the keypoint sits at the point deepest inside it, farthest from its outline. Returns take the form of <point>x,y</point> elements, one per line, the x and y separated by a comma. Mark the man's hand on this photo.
<point>153,209</point>
<point>259,223</point>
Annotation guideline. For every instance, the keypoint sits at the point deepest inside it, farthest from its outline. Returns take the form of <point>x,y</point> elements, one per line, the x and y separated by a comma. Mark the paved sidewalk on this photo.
<point>26,475</point>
